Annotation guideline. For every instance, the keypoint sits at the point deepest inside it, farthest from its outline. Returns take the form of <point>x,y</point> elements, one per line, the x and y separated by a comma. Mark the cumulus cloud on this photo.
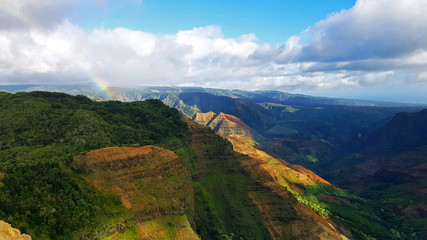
<point>126,57</point>
<point>372,29</point>
<point>375,43</point>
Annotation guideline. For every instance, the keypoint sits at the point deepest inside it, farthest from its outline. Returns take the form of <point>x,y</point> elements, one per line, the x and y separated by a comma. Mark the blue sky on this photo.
<point>272,21</point>
<point>364,49</point>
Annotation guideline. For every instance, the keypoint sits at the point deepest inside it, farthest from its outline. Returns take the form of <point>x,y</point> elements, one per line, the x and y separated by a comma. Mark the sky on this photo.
<point>364,49</point>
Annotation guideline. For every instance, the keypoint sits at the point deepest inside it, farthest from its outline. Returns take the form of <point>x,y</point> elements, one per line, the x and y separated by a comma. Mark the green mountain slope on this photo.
<point>365,218</point>
<point>72,168</point>
<point>303,129</point>
<point>42,193</point>
<point>219,193</point>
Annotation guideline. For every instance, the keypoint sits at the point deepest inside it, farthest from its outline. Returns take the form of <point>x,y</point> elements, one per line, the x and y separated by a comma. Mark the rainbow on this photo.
<point>100,83</point>
<point>14,9</point>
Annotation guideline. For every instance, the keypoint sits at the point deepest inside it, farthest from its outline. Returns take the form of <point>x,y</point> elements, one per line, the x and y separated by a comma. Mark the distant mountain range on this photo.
<point>140,93</point>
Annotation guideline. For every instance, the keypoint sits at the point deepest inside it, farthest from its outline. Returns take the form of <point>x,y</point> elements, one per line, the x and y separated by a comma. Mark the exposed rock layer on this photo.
<point>7,232</point>
<point>273,175</point>
<point>223,123</point>
<point>151,183</point>
<point>283,215</point>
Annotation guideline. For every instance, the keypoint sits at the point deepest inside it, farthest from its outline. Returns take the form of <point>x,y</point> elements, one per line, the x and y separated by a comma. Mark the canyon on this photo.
<point>142,170</point>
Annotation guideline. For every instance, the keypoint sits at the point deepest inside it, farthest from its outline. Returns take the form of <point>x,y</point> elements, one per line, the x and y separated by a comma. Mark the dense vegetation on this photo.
<point>366,219</point>
<point>223,209</point>
<point>44,194</point>
<point>41,192</point>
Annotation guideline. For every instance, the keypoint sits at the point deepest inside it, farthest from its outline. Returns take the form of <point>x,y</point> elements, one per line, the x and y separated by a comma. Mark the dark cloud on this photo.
<point>17,14</point>
<point>10,22</point>
<point>48,13</point>
<point>374,64</point>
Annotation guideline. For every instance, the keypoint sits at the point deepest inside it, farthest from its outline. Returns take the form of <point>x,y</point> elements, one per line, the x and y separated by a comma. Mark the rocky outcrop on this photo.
<point>276,168</point>
<point>151,183</point>
<point>239,134</point>
<point>223,123</point>
<point>7,232</point>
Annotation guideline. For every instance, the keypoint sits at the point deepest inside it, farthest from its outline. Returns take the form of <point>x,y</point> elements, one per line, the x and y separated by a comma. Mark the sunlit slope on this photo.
<point>275,192</point>
<point>151,182</point>
<point>333,210</point>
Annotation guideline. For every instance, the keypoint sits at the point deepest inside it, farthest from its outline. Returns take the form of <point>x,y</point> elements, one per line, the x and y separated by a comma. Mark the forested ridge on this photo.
<point>42,192</point>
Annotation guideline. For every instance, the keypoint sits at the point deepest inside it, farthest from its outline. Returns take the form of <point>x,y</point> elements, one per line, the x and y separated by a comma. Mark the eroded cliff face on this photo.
<point>276,168</point>
<point>282,178</point>
<point>7,232</point>
<point>245,192</point>
<point>152,184</point>
<point>275,191</point>
<point>223,123</point>
<point>223,206</point>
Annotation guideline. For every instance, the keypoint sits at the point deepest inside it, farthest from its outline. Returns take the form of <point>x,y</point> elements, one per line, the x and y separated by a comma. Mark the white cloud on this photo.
<point>371,29</point>
<point>376,43</point>
<point>209,40</point>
